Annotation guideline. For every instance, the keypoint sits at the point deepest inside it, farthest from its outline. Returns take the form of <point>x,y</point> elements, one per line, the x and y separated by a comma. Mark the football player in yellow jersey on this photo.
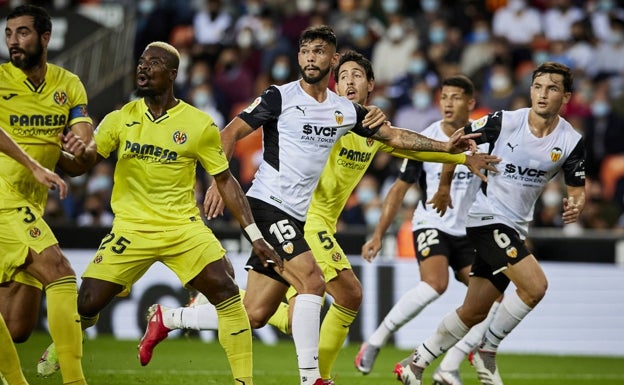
<point>39,102</point>
<point>159,139</point>
<point>347,163</point>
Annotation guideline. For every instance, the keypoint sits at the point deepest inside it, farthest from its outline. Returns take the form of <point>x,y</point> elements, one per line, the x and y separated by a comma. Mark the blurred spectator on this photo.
<point>398,43</point>
<point>499,89</point>
<point>95,213</point>
<point>604,130</point>
<point>234,81</point>
<point>421,112</point>
<point>609,55</point>
<point>295,22</point>
<point>199,72</point>
<point>581,50</point>
<point>202,96</point>
<point>148,14</point>
<point>598,213</point>
<point>559,18</point>
<point>212,26</point>
<point>548,208</point>
<point>519,23</point>
<point>281,71</point>
<point>600,14</point>
<point>480,51</point>
<point>418,69</point>
<point>355,27</point>
<point>54,213</point>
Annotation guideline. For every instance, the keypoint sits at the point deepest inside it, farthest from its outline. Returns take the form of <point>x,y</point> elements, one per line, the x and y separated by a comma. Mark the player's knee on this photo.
<point>257,318</point>
<point>534,295</point>
<point>19,334</point>
<point>438,284</point>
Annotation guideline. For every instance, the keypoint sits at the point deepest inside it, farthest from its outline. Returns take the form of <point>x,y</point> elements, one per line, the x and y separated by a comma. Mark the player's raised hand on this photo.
<point>571,210</point>
<point>50,179</point>
<point>478,162</point>
<point>213,203</point>
<point>375,117</point>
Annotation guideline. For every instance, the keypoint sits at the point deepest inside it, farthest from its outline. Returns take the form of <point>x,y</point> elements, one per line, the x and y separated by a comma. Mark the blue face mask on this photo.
<point>358,31</point>
<point>416,67</point>
<point>480,36</point>
<point>390,6</point>
<point>600,109</point>
<point>365,195</point>
<point>280,72</point>
<point>437,35</point>
<point>421,100</point>
<point>372,216</point>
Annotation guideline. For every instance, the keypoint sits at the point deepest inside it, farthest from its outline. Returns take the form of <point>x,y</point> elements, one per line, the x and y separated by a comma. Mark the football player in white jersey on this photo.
<point>534,144</point>
<point>440,241</point>
<point>301,122</point>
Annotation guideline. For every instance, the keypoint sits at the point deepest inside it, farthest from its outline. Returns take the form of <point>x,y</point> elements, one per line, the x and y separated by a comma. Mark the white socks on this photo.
<point>508,316</point>
<point>454,357</point>
<point>449,331</point>
<point>200,317</point>
<point>306,320</point>
<point>407,307</point>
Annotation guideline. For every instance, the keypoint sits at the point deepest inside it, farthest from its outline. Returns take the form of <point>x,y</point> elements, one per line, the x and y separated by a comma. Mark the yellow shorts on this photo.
<point>328,254</point>
<point>21,229</point>
<point>125,255</point>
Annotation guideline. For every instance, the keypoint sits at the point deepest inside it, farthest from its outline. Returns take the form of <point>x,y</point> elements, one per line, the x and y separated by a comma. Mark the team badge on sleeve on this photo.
<point>479,123</point>
<point>253,105</point>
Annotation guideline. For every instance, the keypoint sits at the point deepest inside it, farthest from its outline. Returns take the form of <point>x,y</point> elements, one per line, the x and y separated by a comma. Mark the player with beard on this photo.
<point>44,110</point>
<point>159,139</point>
<point>301,122</point>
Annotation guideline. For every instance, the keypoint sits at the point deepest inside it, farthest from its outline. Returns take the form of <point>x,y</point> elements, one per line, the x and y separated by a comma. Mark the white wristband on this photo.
<point>253,232</point>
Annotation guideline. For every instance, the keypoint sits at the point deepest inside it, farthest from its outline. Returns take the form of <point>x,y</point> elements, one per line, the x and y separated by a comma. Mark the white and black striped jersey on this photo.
<point>427,174</point>
<point>527,164</point>
<point>298,134</point>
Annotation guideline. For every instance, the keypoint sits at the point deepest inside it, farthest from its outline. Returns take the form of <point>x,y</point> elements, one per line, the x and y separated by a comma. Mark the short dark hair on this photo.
<point>41,18</point>
<point>460,81</point>
<point>357,57</point>
<point>551,67</point>
<point>322,32</point>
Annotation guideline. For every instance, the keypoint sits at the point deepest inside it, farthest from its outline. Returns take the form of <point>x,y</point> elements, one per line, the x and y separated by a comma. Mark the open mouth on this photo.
<point>351,94</point>
<point>142,80</point>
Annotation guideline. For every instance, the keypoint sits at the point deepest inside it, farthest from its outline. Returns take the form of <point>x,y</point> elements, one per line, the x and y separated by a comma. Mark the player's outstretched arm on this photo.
<point>41,174</point>
<point>236,201</point>
<point>410,140</point>
<point>389,209</point>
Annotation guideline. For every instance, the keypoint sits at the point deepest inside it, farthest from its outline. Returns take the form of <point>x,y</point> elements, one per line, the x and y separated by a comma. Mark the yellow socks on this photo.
<point>334,330</point>
<point>65,329</point>
<point>9,360</point>
<point>235,337</point>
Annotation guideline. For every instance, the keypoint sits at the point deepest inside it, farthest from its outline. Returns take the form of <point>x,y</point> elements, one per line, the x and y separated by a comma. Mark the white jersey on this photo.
<point>527,164</point>
<point>427,174</point>
<point>298,135</point>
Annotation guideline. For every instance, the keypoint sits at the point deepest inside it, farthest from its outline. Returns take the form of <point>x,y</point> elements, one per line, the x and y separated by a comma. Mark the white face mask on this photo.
<point>421,100</point>
<point>499,82</point>
<point>552,198</point>
<point>395,32</point>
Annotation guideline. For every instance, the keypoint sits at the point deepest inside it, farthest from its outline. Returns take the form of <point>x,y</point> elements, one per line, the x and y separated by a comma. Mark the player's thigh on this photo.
<point>215,282</point>
<point>19,305</point>
<point>22,229</point>
<point>346,289</point>
<point>304,274</point>
<point>326,250</point>
<point>189,249</point>
<point>432,252</point>
<point>123,256</point>
<point>530,280</point>
<point>262,297</point>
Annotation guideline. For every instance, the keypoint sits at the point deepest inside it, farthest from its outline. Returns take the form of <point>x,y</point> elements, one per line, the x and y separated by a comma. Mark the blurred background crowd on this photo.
<point>232,50</point>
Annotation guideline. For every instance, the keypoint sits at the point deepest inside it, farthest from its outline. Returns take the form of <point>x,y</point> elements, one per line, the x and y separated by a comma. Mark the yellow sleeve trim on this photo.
<point>426,156</point>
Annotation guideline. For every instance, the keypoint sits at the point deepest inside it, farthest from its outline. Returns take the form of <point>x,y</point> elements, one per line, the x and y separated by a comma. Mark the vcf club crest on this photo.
<point>555,154</point>
<point>60,98</point>
<point>339,117</point>
<point>179,137</point>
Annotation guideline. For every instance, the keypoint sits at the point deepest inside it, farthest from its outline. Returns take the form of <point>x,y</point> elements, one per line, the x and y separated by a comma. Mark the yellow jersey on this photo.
<point>154,177</point>
<point>34,116</point>
<point>347,163</point>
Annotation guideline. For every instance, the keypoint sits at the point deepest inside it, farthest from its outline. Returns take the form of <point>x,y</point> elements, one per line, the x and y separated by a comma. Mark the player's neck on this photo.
<point>317,90</point>
<point>450,128</point>
<point>36,75</point>
<point>159,104</point>
<point>541,126</point>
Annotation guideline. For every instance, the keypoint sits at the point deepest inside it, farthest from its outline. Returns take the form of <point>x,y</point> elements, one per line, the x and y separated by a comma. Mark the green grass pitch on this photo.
<point>189,361</point>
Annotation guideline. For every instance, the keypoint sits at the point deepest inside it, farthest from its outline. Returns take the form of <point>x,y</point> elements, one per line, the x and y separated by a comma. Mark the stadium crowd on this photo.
<point>232,50</point>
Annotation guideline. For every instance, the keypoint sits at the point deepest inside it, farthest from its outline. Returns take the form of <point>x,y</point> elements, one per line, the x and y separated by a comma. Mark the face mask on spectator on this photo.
<point>197,79</point>
<point>358,31</point>
<point>516,5</point>
<point>395,32</point>
<point>480,35</point>
<point>416,67</point>
<point>365,195</point>
<point>305,6</point>
<point>437,35</point>
<point>280,71</point>
<point>540,57</point>
<point>552,198</point>
<point>421,100</point>
<point>372,216</point>
<point>430,5</point>
<point>390,6</point>
<point>600,108</point>
<point>201,98</point>
<point>499,82</point>
<point>244,39</point>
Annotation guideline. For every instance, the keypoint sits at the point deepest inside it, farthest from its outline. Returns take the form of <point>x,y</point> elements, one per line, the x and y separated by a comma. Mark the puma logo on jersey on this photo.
<point>9,96</point>
<point>512,147</point>
<point>134,123</point>
<point>301,109</point>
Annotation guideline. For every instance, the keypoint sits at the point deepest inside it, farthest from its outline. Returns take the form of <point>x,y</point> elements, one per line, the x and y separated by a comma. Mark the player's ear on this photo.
<point>45,39</point>
<point>173,74</point>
